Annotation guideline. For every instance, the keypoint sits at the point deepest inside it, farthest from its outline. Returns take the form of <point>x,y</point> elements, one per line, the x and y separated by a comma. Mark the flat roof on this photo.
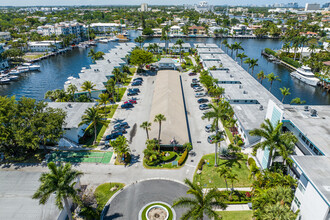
<point>210,57</point>
<point>168,100</point>
<point>317,170</point>
<point>315,128</point>
<point>201,45</point>
<point>208,50</point>
<point>74,111</point>
<point>184,45</point>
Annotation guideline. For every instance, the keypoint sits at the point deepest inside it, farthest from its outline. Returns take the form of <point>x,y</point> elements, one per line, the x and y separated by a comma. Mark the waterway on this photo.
<point>55,71</point>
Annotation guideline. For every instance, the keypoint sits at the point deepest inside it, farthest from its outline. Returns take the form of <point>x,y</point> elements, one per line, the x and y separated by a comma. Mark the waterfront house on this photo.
<point>44,46</point>
<point>3,62</point>
<point>175,31</point>
<point>195,31</point>
<point>74,112</point>
<point>107,27</point>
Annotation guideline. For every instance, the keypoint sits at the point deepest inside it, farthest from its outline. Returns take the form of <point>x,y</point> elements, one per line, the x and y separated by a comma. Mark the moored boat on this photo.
<point>306,75</point>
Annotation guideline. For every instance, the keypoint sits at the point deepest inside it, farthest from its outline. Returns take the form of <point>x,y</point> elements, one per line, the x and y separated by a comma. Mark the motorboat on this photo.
<point>32,67</point>
<point>14,72</point>
<point>4,80</point>
<point>13,78</point>
<point>23,69</point>
<point>103,40</point>
<point>306,75</point>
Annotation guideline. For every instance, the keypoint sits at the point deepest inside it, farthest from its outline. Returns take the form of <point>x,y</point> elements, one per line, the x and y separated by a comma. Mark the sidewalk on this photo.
<point>238,207</point>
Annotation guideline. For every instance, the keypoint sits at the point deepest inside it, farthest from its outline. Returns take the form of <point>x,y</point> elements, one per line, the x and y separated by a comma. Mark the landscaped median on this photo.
<point>104,192</point>
<point>235,215</point>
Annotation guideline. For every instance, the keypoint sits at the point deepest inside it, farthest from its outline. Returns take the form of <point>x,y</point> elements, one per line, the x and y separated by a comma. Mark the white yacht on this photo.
<point>14,72</point>
<point>4,80</point>
<point>23,69</point>
<point>13,78</point>
<point>32,67</point>
<point>306,75</point>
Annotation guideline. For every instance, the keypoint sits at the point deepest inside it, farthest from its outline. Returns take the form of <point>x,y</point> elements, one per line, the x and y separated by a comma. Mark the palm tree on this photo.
<point>232,177</point>
<point>312,48</point>
<point>272,139</point>
<point>278,211</point>
<point>261,76</point>
<point>221,111</point>
<point>92,54</point>
<point>179,42</point>
<point>104,100</point>
<point>241,56</point>
<point>224,42</point>
<point>297,101</point>
<point>238,47</point>
<point>92,118</point>
<point>224,172</point>
<point>165,36</point>
<point>88,86</point>
<point>120,146</point>
<point>248,61</point>
<point>271,78</point>
<point>146,126</point>
<point>202,203</point>
<point>254,171</point>
<point>72,89</point>
<point>139,40</point>
<point>253,63</point>
<point>159,118</point>
<point>59,181</point>
<point>285,92</point>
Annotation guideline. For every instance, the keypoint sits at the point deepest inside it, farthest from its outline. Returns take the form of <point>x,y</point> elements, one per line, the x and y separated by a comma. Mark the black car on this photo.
<point>138,79</point>
<point>121,125</point>
<point>113,136</point>
<point>195,85</point>
<point>120,130</point>
<point>127,105</point>
<point>132,93</point>
<point>195,80</point>
<point>202,100</point>
<point>137,83</point>
<point>134,90</point>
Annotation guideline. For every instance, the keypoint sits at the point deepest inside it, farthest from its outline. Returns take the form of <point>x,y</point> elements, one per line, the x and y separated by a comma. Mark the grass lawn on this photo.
<point>210,177</point>
<point>121,94</point>
<point>229,135</point>
<point>128,80</point>
<point>103,194</point>
<point>32,57</point>
<point>170,213</point>
<point>132,70</point>
<point>234,215</point>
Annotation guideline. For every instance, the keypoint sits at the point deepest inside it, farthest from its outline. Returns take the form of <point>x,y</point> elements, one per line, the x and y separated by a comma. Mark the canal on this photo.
<point>55,71</point>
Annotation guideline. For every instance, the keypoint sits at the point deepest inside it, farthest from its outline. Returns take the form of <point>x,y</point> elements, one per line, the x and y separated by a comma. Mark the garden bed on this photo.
<point>103,193</point>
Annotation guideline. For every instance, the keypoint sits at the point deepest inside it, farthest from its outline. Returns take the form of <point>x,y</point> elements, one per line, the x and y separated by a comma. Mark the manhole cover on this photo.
<point>133,150</point>
<point>198,142</point>
<point>192,160</point>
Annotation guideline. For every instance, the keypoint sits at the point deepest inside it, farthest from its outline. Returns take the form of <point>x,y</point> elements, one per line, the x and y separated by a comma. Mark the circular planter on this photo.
<point>157,210</point>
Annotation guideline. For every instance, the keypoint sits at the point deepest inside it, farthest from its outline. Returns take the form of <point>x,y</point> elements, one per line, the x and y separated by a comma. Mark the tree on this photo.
<point>232,177</point>
<point>146,126</point>
<point>202,203</point>
<point>60,180</point>
<point>71,90</point>
<point>285,92</point>
<point>272,139</point>
<point>297,101</point>
<point>104,100</point>
<point>147,31</point>
<point>271,78</point>
<point>92,118</point>
<point>261,76</point>
<point>120,146</point>
<point>159,118</point>
<point>179,42</point>
<point>95,55</point>
<point>253,63</point>
<point>224,172</point>
<point>140,58</point>
<point>88,86</point>
<point>241,56</point>
<point>139,40</point>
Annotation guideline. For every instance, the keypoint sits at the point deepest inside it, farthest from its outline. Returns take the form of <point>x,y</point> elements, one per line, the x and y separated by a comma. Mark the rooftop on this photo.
<point>317,170</point>
<point>315,128</point>
<point>210,50</point>
<point>203,45</point>
<point>210,57</point>
<point>74,111</point>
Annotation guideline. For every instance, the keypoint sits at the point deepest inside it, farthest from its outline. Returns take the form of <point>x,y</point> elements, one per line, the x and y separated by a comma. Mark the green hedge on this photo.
<point>251,161</point>
<point>183,157</point>
<point>200,164</point>
<point>270,51</point>
<point>236,197</point>
<point>291,62</point>
<point>170,157</point>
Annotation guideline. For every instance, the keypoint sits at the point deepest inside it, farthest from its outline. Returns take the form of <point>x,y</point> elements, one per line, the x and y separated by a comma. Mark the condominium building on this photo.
<point>312,7</point>
<point>63,28</point>
<point>108,27</point>
<point>144,7</point>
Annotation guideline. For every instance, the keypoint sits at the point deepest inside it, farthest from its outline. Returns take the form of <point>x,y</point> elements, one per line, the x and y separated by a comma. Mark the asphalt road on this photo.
<point>127,204</point>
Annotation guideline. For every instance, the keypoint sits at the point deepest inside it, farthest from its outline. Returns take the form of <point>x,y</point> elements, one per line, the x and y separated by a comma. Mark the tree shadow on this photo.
<point>134,159</point>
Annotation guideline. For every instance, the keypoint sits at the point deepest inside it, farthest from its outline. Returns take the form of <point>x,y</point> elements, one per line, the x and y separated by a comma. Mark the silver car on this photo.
<point>200,94</point>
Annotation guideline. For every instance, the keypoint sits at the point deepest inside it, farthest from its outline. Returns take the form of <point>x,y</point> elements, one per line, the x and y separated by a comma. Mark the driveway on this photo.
<point>128,203</point>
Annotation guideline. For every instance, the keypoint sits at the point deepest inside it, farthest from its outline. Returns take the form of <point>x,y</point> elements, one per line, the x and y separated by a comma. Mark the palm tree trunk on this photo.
<point>147,133</point>
<point>160,128</point>
<point>269,163</point>
<point>95,130</point>
<point>283,98</point>
<point>226,184</point>
<point>270,88</point>
<point>67,208</point>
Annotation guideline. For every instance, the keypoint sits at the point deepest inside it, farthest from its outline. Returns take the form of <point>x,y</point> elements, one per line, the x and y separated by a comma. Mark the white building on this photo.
<point>203,6</point>
<point>175,31</point>
<point>166,63</point>
<point>144,7</point>
<point>5,36</point>
<point>44,46</point>
<point>238,9</point>
<point>107,27</point>
<point>312,7</point>
<point>74,111</point>
<point>176,48</point>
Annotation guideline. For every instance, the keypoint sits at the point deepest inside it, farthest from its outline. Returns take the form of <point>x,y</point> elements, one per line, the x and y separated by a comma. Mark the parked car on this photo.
<point>195,80</point>
<point>127,105</point>
<point>195,85</point>
<point>136,83</point>
<point>113,136</point>
<point>198,89</point>
<point>121,125</point>
<point>208,128</point>
<point>200,94</point>
<point>211,139</point>
<point>204,106</point>
<point>138,79</point>
<point>202,100</point>
<point>133,101</point>
<point>121,130</point>
<point>132,93</point>
<point>192,74</point>
<point>137,90</point>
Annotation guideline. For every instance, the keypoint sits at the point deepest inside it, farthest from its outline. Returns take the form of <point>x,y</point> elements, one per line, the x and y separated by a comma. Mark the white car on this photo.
<point>198,89</point>
<point>200,94</point>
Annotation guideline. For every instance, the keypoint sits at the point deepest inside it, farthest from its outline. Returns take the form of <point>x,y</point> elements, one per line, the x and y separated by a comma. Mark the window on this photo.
<point>297,202</point>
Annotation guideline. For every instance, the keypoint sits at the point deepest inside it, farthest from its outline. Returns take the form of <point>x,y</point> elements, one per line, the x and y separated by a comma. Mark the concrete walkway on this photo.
<point>238,207</point>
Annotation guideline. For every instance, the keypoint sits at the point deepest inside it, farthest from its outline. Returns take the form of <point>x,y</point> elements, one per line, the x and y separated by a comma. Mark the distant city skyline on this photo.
<point>138,2</point>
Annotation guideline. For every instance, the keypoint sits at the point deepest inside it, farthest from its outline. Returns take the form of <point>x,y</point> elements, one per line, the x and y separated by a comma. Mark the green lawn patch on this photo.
<point>229,135</point>
<point>29,57</point>
<point>234,215</point>
<point>103,194</point>
<point>81,157</point>
<point>128,80</point>
<point>210,177</point>
<point>132,70</point>
<point>120,94</point>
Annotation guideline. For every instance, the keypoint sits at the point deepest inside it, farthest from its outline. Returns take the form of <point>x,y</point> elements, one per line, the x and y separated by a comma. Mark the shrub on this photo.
<point>200,164</point>
<point>291,62</point>
<point>170,157</point>
<point>270,51</point>
<point>188,146</point>
<point>127,158</point>
<point>183,66</point>
<point>183,157</point>
<point>251,161</point>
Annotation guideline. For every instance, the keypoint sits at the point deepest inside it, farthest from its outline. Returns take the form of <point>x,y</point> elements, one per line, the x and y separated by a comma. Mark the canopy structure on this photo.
<point>168,100</point>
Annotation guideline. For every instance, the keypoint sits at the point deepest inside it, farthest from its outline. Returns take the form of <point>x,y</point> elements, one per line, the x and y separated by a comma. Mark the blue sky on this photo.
<point>137,2</point>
